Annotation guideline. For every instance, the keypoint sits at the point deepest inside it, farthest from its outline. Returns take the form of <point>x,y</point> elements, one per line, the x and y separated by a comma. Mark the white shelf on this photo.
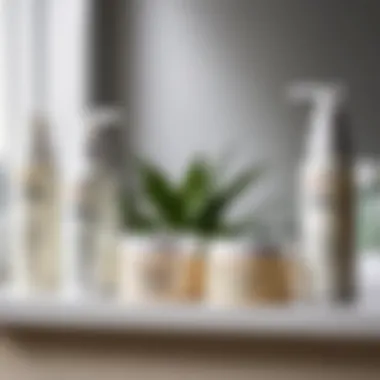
<point>350,322</point>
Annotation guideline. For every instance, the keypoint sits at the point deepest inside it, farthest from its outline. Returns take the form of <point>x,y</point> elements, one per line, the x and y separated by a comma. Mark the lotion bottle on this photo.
<point>327,203</point>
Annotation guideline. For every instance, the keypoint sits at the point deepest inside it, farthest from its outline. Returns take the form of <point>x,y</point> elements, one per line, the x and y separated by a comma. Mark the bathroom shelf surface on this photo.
<point>310,321</point>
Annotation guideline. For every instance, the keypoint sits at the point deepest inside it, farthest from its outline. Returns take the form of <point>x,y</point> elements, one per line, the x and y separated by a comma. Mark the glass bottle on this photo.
<point>98,205</point>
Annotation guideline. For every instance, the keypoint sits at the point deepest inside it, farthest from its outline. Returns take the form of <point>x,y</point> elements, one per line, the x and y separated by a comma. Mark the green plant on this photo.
<point>197,204</point>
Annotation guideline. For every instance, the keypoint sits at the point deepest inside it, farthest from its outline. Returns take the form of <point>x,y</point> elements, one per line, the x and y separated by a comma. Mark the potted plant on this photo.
<point>193,211</point>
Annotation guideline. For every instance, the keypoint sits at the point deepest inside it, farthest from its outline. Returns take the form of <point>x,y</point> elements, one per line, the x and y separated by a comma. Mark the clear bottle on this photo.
<point>98,232</point>
<point>97,206</point>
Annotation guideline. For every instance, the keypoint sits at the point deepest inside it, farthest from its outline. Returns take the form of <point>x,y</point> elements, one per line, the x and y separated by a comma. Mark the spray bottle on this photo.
<point>327,204</point>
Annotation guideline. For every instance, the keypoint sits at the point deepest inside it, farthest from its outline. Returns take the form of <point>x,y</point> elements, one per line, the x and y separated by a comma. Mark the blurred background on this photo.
<point>131,129</point>
<point>190,80</point>
<point>195,76</point>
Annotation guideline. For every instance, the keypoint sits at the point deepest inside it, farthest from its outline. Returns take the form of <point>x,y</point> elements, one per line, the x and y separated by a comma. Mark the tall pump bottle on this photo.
<point>327,201</point>
<point>37,268</point>
<point>42,207</point>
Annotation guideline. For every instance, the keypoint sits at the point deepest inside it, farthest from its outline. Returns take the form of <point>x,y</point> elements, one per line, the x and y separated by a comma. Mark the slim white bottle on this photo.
<point>327,204</point>
<point>42,214</point>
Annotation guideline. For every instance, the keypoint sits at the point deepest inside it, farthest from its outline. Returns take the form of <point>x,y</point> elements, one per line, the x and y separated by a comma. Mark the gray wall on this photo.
<point>211,74</point>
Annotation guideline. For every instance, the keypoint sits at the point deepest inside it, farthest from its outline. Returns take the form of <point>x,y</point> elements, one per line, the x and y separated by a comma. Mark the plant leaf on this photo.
<point>162,196</point>
<point>242,182</point>
<point>210,217</point>
<point>195,187</point>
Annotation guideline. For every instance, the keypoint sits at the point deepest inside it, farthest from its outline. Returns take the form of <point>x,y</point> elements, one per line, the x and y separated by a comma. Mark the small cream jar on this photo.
<point>229,268</point>
<point>147,270</point>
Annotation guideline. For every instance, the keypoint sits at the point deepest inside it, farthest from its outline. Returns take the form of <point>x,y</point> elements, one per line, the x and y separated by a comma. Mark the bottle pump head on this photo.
<point>329,132</point>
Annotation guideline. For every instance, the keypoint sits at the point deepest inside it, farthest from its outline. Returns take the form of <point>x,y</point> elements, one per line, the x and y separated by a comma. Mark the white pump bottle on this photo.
<point>327,207</point>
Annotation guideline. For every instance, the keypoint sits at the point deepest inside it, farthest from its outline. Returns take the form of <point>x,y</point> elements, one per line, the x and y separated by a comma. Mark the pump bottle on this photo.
<point>327,204</point>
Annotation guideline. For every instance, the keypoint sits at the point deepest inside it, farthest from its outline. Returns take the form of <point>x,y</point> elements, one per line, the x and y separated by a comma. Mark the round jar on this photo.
<point>229,271</point>
<point>147,270</point>
<point>271,275</point>
<point>190,268</point>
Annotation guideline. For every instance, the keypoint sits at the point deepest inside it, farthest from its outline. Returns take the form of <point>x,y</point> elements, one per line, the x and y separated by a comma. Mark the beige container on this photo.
<point>298,275</point>
<point>229,271</point>
<point>272,273</point>
<point>242,274</point>
<point>147,273</point>
<point>190,268</point>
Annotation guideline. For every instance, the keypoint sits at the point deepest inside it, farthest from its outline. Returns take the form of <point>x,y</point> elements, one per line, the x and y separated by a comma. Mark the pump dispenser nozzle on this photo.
<point>323,92</point>
<point>329,132</point>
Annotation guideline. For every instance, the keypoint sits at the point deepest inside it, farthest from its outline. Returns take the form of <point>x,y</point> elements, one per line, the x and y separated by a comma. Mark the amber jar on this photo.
<point>190,268</point>
<point>271,275</point>
<point>245,274</point>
